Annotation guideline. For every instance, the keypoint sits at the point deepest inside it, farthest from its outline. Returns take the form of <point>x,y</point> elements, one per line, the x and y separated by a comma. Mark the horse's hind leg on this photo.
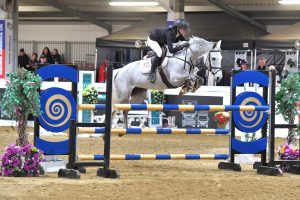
<point>138,96</point>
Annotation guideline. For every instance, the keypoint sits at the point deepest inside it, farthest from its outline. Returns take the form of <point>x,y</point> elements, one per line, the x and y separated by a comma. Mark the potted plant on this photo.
<point>89,96</point>
<point>288,94</point>
<point>157,97</point>
<point>20,99</point>
<point>20,161</point>
<point>222,119</point>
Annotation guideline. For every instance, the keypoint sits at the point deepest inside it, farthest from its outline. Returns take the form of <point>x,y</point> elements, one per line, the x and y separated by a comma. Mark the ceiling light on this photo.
<point>289,2</point>
<point>133,3</point>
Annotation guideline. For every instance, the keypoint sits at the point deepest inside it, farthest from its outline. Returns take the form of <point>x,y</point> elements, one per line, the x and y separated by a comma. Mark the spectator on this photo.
<point>56,59</point>
<point>46,54</point>
<point>262,64</point>
<point>102,71</point>
<point>243,64</point>
<point>43,59</point>
<point>23,59</point>
<point>33,62</point>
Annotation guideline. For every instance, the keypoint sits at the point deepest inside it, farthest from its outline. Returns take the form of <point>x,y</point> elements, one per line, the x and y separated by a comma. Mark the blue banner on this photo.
<point>2,48</point>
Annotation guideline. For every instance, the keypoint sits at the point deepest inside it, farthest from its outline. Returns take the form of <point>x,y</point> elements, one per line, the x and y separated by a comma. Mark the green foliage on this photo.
<point>157,97</point>
<point>288,94</point>
<point>21,96</point>
<point>90,95</point>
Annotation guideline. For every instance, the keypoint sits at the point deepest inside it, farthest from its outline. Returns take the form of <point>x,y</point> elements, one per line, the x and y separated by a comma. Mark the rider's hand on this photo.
<point>186,45</point>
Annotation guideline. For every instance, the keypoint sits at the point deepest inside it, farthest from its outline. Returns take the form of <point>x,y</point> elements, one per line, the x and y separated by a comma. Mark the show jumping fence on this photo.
<point>249,114</point>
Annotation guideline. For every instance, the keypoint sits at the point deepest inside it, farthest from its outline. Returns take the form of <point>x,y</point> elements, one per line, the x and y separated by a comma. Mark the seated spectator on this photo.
<point>262,64</point>
<point>46,54</point>
<point>23,59</point>
<point>33,62</point>
<point>56,57</point>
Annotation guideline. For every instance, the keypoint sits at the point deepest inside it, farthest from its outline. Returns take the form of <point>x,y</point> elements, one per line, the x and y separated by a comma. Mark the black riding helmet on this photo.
<point>181,23</point>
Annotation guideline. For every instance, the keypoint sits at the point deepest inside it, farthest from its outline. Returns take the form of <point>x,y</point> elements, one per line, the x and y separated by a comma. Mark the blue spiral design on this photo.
<point>58,108</point>
<point>250,121</point>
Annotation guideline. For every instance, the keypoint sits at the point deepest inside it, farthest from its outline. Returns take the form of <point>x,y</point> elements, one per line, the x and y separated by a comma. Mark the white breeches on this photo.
<point>155,47</point>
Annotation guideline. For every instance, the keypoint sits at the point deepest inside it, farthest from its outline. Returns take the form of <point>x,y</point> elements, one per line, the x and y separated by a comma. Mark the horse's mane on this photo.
<point>202,44</point>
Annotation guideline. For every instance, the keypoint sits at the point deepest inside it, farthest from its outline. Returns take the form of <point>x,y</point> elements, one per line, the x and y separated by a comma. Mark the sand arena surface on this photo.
<point>153,179</point>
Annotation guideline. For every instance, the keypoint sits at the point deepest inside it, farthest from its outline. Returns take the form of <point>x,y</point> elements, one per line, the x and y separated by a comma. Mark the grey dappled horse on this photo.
<point>130,85</point>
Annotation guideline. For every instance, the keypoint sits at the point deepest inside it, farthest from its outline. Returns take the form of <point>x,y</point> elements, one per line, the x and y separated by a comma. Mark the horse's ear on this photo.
<point>218,45</point>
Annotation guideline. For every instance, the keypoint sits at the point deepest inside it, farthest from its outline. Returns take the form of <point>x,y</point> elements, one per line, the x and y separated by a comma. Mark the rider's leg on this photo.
<point>155,63</point>
<point>157,59</point>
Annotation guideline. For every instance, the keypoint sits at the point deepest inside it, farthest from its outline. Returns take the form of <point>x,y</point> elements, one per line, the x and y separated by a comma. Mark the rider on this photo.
<point>166,36</point>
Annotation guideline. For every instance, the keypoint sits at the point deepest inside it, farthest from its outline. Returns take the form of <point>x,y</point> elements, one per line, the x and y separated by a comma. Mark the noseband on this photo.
<point>208,63</point>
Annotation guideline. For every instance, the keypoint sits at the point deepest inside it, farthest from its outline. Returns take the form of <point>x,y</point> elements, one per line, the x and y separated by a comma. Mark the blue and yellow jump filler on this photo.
<point>60,110</point>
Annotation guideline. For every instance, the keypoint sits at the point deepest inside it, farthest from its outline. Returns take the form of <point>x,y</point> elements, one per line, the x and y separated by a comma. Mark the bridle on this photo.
<point>208,63</point>
<point>189,62</point>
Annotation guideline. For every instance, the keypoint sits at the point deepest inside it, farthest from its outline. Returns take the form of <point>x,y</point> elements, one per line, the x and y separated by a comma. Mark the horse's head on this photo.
<point>213,60</point>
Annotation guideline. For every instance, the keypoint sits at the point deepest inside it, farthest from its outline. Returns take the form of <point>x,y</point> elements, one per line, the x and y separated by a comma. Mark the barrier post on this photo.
<point>105,171</point>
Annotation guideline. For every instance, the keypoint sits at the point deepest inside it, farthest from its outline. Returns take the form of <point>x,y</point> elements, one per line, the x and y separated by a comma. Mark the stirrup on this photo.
<point>152,77</point>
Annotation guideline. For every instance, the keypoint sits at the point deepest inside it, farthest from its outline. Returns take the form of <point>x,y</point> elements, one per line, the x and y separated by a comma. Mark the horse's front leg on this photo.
<point>125,120</point>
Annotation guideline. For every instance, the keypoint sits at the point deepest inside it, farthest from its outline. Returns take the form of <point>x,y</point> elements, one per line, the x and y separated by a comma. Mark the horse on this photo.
<point>130,84</point>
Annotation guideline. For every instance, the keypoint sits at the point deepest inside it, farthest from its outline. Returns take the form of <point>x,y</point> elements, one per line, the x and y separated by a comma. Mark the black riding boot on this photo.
<point>155,63</point>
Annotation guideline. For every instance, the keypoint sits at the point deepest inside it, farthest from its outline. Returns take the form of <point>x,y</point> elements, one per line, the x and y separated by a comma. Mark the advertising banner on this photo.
<point>2,48</point>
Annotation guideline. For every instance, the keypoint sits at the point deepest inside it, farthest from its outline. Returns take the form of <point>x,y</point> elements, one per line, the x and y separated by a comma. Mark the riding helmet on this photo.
<point>181,23</point>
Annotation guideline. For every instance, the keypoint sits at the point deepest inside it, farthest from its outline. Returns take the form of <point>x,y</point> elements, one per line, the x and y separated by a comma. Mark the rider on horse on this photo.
<point>166,36</point>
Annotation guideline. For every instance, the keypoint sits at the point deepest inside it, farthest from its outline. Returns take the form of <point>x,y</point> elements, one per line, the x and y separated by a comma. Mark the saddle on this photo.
<point>147,60</point>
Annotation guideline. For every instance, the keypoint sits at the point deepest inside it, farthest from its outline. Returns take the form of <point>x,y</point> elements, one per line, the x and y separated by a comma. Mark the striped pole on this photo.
<point>175,107</point>
<point>187,131</point>
<point>156,157</point>
<point>91,107</point>
<point>178,107</point>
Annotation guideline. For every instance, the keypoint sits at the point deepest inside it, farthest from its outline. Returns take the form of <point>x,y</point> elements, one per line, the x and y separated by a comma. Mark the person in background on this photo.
<point>102,71</point>
<point>43,59</point>
<point>46,54</point>
<point>243,64</point>
<point>23,59</point>
<point>56,59</point>
<point>33,62</point>
<point>262,64</point>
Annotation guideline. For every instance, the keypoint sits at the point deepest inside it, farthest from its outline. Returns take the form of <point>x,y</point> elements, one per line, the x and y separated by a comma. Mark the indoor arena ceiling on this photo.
<point>99,12</point>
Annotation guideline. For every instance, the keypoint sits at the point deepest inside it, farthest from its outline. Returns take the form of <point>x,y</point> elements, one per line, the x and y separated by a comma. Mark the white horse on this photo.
<point>130,84</point>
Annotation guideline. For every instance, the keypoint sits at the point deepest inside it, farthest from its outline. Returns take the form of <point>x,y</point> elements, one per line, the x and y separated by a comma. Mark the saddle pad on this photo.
<point>145,64</point>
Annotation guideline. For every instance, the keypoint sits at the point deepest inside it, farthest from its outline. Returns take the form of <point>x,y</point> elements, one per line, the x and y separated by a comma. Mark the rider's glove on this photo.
<point>186,45</point>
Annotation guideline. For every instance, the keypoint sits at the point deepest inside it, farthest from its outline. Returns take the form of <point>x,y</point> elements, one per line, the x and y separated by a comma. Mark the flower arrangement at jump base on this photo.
<point>288,152</point>
<point>221,118</point>
<point>90,95</point>
<point>21,161</point>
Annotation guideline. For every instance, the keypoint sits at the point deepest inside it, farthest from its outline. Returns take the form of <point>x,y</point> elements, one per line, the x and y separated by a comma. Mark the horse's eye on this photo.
<point>213,59</point>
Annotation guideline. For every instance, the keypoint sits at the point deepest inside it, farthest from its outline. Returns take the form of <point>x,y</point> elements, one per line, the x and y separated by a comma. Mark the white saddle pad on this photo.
<point>145,65</point>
